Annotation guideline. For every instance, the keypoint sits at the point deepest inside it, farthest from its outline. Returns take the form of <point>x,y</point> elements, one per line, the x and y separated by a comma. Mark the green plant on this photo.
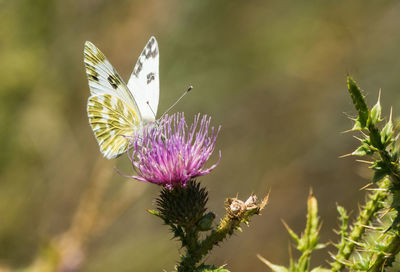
<point>372,241</point>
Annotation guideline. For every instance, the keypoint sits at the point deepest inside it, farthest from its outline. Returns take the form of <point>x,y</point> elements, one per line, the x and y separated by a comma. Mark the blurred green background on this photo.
<point>272,73</point>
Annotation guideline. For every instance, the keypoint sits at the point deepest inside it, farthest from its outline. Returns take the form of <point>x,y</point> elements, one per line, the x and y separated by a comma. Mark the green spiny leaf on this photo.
<point>295,237</point>
<point>154,212</point>
<point>378,165</point>
<point>320,246</point>
<point>358,101</point>
<point>273,267</point>
<point>376,112</point>
<point>387,132</point>
<point>357,125</point>
<point>363,150</point>
<point>239,228</point>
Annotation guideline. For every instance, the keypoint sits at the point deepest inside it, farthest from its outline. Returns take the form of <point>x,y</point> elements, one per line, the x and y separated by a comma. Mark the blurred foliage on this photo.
<point>271,72</point>
<point>306,243</point>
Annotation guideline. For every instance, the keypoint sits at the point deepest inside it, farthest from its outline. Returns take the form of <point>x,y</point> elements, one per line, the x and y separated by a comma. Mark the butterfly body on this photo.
<point>116,110</point>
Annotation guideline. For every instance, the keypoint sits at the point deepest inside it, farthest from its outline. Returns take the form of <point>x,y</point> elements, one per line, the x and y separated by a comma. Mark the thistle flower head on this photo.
<point>172,152</point>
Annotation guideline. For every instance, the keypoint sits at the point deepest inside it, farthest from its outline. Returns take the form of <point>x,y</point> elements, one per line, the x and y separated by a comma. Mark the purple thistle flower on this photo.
<point>171,153</point>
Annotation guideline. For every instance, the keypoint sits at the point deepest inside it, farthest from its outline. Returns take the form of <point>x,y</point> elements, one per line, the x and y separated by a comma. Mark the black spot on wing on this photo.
<point>150,77</point>
<point>138,67</point>
<point>150,52</point>
<point>91,73</point>
<point>114,81</point>
<point>94,78</point>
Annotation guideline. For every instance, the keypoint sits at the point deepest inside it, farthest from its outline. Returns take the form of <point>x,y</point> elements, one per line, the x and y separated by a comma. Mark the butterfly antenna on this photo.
<point>177,101</point>
<point>148,104</point>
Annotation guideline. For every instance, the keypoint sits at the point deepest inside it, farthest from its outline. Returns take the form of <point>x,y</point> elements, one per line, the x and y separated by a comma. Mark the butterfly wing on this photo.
<point>113,123</point>
<point>113,113</point>
<point>144,82</point>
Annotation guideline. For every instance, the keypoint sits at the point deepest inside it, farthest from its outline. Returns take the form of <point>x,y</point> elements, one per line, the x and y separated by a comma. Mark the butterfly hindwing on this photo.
<point>113,123</point>
<point>144,82</point>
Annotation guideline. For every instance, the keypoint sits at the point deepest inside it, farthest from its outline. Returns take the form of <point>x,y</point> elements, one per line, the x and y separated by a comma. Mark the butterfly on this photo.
<point>118,111</point>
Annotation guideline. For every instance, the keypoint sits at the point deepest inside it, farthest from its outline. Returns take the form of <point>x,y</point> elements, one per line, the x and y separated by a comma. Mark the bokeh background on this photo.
<point>272,73</point>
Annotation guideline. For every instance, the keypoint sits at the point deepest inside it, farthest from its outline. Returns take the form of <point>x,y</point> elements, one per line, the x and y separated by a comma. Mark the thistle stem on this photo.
<point>227,226</point>
<point>197,251</point>
<point>192,257</point>
<point>371,207</point>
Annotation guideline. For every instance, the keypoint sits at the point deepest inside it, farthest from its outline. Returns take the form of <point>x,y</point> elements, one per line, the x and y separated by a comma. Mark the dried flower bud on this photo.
<point>238,208</point>
<point>251,202</point>
<point>235,207</point>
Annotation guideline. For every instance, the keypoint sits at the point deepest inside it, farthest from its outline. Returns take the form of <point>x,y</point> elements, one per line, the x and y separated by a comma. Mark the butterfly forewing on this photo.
<point>144,82</point>
<point>103,78</point>
<point>113,113</point>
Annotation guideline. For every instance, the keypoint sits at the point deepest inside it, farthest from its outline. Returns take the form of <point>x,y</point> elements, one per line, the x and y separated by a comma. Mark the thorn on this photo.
<point>336,231</point>
<point>366,186</point>
<point>354,242</point>
<point>285,225</point>
<point>346,155</point>
<point>290,252</point>
<point>347,115</point>
<point>367,162</point>
<point>261,258</point>
<point>264,202</point>
<point>358,138</point>
<point>377,189</point>
<point>347,131</point>
<point>379,95</point>
<point>368,227</point>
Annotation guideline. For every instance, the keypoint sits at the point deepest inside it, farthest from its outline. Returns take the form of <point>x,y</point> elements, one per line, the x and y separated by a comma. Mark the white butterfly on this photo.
<point>117,110</point>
